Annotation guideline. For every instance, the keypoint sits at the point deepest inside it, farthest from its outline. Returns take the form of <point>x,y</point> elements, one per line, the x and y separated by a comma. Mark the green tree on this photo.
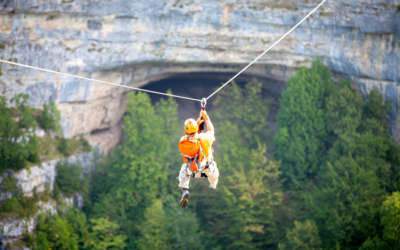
<point>344,117</point>
<point>105,234</point>
<point>16,204</point>
<point>183,226</point>
<point>78,221</point>
<point>346,200</point>
<point>302,236</point>
<point>24,113</point>
<point>302,136</point>
<point>376,144</point>
<point>69,178</point>
<point>64,147</point>
<point>136,173</point>
<point>145,148</point>
<point>374,244</point>
<point>54,232</point>
<point>346,205</point>
<point>244,213</point>
<point>167,110</point>
<point>49,118</point>
<point>240,214</point>
<point>247,108</point>
<point>18,142</point>
<point>336,150</point>
<point>390,220</point>
<point>376,111</point>
<point>391,177</point>
<point>154,233</point>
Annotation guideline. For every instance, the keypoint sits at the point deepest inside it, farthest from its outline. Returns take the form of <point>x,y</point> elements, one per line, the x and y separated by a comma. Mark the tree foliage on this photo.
<point>390,220</point>
<point>241,212</point>
<point>154,234</point>
<point>137,172</point>
<point>105,234</point>
<point>54,232</point>
<point>302,136</point>
<point>183,227</point>
<point>302,236</point>
<point>69,178</point>
<point>14,204</point>
<point>71,230</point>
<point>344,137</point>
<point>18,142</point>
<point>49,118</point>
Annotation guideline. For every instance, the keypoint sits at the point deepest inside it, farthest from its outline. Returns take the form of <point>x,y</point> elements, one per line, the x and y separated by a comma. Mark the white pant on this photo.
<point>212,173</point>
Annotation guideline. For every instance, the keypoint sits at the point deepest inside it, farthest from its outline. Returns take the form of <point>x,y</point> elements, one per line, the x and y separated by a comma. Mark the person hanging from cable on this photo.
<point>196,149</point>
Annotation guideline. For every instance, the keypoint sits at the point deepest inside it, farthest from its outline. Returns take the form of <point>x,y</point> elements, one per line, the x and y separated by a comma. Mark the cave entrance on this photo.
<point>202,84</point>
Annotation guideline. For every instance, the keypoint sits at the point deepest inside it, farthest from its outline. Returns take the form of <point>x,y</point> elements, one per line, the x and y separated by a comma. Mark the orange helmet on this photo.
<point>191,126</point>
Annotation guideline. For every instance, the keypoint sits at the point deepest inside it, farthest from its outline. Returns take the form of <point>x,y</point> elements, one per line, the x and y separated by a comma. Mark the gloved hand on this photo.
<point>204,115</point>
<point>200,122</point>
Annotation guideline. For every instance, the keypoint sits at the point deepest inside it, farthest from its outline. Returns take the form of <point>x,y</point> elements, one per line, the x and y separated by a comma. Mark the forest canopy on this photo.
<point>327,177</point>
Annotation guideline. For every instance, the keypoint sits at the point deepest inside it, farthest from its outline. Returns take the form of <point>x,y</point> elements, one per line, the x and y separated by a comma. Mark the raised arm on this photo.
<point>210,126</point>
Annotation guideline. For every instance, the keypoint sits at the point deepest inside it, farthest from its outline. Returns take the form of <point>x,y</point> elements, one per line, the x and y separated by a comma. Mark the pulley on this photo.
<point>203,103</point>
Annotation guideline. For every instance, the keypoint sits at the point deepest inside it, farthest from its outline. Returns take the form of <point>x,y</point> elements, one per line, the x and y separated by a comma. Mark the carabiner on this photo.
<point>203,103</point>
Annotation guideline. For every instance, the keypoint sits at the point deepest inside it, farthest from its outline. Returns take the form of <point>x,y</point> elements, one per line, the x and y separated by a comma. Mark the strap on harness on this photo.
<point>192,159</point>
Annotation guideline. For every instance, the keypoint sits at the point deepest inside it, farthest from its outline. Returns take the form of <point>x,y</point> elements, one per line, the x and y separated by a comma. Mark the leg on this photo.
<point>212,173</point>
<point>184,177</point>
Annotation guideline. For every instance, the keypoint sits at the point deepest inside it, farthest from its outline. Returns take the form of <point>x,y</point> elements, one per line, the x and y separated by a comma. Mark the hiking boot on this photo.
<point>185,198</point>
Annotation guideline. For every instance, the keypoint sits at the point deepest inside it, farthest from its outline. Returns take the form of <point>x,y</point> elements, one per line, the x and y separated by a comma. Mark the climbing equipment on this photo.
<point>203,103</point>
<point>191,151</point>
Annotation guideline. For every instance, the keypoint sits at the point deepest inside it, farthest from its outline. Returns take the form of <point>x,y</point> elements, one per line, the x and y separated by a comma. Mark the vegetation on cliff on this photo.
<point>19,144</point>
<point>20,147</point>
<point>18,141</point>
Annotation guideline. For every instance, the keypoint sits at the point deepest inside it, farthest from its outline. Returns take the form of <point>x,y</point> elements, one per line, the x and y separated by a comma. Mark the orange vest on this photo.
<point>190,148</point>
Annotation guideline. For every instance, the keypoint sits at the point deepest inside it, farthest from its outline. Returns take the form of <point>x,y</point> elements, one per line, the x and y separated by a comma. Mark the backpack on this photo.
<point>190,149</point>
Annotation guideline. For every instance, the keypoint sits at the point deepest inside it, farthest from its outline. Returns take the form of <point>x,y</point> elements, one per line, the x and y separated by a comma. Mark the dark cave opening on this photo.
<point>202,84</point>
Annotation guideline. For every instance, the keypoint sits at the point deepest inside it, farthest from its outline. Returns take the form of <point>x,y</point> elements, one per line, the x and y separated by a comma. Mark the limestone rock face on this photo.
<point>135,42</point>
<point>36,178</point>
<point>14,229</point>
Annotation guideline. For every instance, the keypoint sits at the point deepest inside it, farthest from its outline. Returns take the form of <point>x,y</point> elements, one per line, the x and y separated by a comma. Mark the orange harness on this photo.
<point>190,148</point>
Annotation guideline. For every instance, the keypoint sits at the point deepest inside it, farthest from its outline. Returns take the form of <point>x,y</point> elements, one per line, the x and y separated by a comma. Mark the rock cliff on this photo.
<point>136,42</point>
<point>35,179</point>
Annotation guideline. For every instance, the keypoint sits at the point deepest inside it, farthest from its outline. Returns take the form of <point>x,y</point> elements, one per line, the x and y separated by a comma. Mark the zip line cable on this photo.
<point>268,49</point>
<point>98,81</point>
<point>203,101</point>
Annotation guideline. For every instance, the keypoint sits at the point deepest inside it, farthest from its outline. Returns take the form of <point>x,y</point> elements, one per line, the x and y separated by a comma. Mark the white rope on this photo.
<point>268,49</point>
<point>98,81</point>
